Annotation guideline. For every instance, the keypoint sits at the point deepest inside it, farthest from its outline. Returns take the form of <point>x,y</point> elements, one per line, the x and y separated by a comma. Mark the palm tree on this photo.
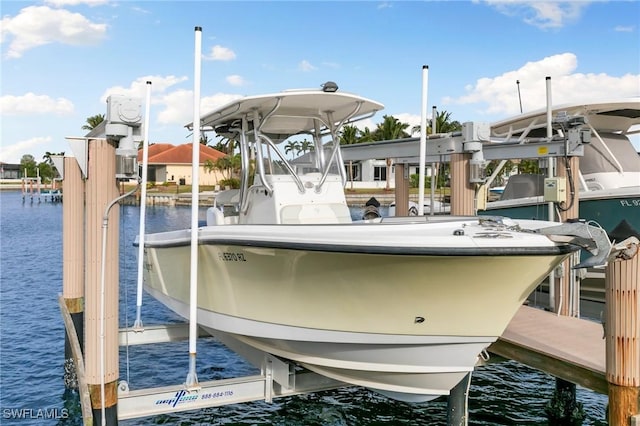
<point>93,121</point>
<point>349,135</point>
<point>306,146</point>
<point>292,146</point>
<point>391,128</point>
<point>443,124</point>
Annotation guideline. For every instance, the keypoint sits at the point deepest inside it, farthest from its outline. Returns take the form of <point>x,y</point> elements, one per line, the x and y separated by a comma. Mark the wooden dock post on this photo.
<point>73,259</point>
<point>462,191</point>
<point>622,332</point>
<point>402,189</point>
<point>101,323</point>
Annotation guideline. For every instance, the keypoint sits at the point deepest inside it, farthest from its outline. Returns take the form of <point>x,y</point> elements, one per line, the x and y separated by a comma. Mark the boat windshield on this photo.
<point>610,152</point>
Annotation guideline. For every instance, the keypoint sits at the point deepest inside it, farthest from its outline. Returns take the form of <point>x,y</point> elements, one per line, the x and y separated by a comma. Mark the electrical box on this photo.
<point>555,190</point>
<point>481,198</point>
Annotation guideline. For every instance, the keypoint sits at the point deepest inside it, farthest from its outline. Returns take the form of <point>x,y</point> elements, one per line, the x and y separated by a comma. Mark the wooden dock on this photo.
<point>570,348</point>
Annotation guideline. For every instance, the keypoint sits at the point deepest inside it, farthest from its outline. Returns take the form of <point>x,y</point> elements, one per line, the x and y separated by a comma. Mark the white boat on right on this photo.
<point>609,184</point>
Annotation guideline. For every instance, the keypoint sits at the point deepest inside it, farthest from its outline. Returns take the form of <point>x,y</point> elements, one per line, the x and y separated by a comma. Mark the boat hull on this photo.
<point>617,211</point>
<point>408,326</point>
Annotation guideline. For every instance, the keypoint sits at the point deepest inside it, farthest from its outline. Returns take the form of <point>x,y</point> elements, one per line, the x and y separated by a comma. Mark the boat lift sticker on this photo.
<point>184,397</point>
<point>180,397</point>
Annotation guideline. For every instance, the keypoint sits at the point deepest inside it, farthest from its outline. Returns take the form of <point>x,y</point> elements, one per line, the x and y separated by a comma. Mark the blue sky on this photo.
<point>62,58</point>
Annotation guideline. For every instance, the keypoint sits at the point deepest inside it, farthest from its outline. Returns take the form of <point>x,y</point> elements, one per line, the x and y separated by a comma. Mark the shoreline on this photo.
<point>206,198</point>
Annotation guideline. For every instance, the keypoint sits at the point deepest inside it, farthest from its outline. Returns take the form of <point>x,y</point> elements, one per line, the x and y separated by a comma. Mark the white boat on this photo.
<point>609,179</point>
<point>403,306</point>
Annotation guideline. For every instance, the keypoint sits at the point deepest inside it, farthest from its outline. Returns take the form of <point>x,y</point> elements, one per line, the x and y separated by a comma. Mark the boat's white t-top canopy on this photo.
<point>610,160</point>
<point>260,124</point>
<point>615,116</point>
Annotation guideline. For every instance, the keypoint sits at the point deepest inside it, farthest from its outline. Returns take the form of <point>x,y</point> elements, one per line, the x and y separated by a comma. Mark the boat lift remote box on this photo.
<point>555,190</point>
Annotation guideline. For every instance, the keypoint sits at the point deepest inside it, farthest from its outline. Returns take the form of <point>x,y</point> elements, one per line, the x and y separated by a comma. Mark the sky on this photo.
<point>61,59</point>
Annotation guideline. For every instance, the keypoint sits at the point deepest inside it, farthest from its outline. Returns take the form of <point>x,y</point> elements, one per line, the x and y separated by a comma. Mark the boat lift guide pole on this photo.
<point>192,378</point>
<point>551,211</point>
<point>101,313</point>
<point>137,325</point>
<point>423,141</point>
<point>434,171</point>
<point>73,259</point>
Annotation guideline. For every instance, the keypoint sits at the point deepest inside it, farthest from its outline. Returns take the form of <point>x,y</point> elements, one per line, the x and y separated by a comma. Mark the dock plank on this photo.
<point>569,348</point>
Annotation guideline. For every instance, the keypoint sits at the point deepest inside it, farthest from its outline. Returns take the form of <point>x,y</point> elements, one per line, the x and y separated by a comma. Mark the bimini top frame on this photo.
<point>261,123</point>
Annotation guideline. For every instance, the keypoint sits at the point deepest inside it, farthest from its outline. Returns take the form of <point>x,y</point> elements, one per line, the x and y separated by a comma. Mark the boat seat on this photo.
<point>215,216</point>
<point>315,213</point>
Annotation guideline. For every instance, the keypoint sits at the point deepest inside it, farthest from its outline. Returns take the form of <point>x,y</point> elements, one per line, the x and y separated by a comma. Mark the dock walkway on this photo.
<point>570,348</point>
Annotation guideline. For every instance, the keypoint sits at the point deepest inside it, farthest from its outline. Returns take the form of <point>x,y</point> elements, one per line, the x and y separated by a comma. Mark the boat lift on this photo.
<point>277,378</point>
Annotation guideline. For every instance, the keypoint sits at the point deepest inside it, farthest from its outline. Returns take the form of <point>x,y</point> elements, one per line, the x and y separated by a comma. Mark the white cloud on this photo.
<point>235,80</point>
<point>306,66</point>
<point>178,106</point>
<point>333,65</point>
<point>412,119</point>
<point>138,88</point>
<point>499,94</point>
<point>220,53</point>
<point>31,103</point>
<point>542,14</point>
<point>13,153</point>
<point>62,3</point>
<point>625,29</point>
<point>39,25</point>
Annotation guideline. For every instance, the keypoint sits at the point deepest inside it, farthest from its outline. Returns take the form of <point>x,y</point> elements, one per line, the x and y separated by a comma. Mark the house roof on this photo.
<point>182,154</point>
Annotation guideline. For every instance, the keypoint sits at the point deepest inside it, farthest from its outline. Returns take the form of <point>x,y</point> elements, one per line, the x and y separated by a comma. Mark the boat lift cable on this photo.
<point>105,227</point>
<point>126,297</point>
<point>137,325</point>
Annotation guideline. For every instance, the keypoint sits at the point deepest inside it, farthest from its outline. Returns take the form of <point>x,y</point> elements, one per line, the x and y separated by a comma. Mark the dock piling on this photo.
<point>622,332</point>
<point>101,310</point>
<point>73,260</point>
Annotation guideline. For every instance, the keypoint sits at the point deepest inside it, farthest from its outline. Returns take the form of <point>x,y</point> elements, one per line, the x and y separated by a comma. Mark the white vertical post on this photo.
<point>550,173</point>
<point>423,139</point>
<point>192,378</point>
<point>434,173</point>
<point>137,325</point>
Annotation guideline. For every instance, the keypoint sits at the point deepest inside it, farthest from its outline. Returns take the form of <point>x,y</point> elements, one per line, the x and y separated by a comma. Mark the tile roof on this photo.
<point>181,154</point>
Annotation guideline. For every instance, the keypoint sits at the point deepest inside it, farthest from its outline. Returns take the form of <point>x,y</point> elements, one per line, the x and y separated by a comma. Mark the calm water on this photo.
<point>32,346</point>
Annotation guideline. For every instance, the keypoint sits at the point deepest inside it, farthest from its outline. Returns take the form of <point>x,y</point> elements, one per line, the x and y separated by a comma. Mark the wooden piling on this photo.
<point>101,190</point>
<point>462,191</point>
<point>402,190</point>
<point>73,257</point>
<point>622,333</point>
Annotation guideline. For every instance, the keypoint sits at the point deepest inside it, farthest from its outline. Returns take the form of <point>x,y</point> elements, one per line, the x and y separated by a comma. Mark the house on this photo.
<point>362,173</point>
<point>172,164</point>
<point>9,171</point>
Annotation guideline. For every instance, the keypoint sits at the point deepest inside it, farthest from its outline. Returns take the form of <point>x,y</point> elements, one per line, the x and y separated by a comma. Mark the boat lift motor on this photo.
<point>472,136</point>
<point>124,124</point>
